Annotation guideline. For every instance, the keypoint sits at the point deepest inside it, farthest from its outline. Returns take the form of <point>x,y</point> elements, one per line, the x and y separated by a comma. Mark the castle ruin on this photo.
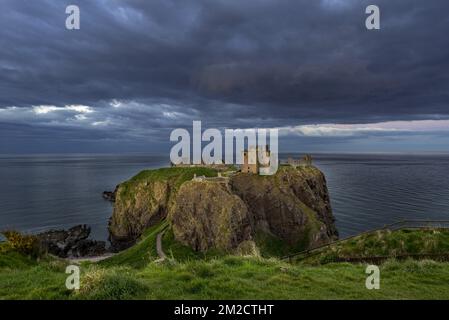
<point>303,162</point>
<point>251,163</point>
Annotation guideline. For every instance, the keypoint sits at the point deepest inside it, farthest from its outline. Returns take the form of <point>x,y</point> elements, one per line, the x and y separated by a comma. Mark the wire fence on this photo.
<point>380,259</point>
<point>399,225</point>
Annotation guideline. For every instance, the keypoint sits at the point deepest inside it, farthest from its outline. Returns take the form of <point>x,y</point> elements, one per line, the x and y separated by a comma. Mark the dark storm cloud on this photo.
<point>228,63</point>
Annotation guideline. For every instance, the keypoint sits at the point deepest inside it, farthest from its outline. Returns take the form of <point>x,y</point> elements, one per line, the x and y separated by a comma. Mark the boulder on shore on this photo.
<point>71,243</point>
<point>110,195</point>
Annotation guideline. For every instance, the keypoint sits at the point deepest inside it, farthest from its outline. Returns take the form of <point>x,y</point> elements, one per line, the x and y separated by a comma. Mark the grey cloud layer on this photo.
<point>270,62</point>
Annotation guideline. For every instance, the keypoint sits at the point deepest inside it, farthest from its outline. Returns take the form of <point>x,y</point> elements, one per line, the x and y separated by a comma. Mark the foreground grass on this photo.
<point>24,278</point>
<point>229,278</point>
<point>256,278</point>
<point>136,274</point>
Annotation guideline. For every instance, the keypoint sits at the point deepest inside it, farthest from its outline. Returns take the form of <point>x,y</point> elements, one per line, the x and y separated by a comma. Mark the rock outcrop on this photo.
<point>138,207</point>
<point>144,201</point>
<point>293,205</point>
<point>109,195</point>
<point>207,215</point>
<point>229,214</point>
<point>73,242</point>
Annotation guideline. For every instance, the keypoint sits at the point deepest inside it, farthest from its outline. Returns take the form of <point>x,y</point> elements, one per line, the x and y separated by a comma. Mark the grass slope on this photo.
<point>24,278</point>
<point>141,253</point>
<point>176,175</point>
<point>134,274</point>
<point>386,243</point>
<point>256,278</point>
<point>229,278</point>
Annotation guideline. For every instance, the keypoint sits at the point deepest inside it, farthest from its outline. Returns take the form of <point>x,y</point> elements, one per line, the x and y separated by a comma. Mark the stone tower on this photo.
<point>251,163</point>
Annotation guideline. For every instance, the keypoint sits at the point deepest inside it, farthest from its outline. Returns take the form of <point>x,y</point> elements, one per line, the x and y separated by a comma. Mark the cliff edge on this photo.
<point>241,213</point>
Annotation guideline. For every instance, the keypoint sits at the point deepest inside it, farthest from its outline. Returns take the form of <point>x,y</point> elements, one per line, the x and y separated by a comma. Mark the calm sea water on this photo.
<point>40,192</point>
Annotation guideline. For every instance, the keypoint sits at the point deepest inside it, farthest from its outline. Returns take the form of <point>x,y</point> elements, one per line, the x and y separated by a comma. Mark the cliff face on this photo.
<point>137,207</point>
<point>143,201</point>
<point>292,205</point>
<point>208,215</point>
<point>229,214</point>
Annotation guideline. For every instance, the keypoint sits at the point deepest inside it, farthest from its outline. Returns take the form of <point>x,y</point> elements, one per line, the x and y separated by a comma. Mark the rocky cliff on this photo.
<point>239,213</point>
<point>208,215</point>
<point>73,242</point>
<point>144,200</point>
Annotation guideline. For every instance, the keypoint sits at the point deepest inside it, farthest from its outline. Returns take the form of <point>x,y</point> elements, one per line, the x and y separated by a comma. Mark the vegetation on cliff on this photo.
<point>201,220</point>
<point>141,253</point>
<point>239,213</point>
<point>143,201</point>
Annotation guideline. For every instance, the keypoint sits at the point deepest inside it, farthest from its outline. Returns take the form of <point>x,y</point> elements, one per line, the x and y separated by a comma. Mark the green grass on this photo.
<point>386,243</point>
<point>176,176</point>
<point>11,259</point>
<point>38,282</point>
<point>135,274</point>
<point>257,278</point>
<point>141,253</point>
<point>117,283</point>
<point>179,174</point>
<point>229,278</point>
<point>23,277</point>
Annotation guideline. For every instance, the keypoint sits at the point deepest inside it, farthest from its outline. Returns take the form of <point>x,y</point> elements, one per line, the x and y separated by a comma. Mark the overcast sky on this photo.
<point>137,69</point>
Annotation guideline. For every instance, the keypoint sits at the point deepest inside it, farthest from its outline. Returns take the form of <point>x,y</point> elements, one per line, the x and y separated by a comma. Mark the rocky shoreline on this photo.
<point>110,195</point>
<point>74,243</point>
<point>230,214</point>
<point>71,243</point>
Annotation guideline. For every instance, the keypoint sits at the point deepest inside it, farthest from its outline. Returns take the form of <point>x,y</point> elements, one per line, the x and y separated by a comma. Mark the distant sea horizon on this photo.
<point>39,192</point>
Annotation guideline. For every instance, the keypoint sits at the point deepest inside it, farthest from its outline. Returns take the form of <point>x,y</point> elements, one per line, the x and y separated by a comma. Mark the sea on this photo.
<point>367,191</point>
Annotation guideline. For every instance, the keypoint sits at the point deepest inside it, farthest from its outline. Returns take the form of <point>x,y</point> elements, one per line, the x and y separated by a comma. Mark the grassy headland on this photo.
<point>136,274</point>
<point>150,198</point>
<point>378,245</point>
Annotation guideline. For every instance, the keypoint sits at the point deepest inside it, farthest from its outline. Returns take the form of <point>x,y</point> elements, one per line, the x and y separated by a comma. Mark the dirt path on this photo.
<point>159,250</point>
<point>91,259</point>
